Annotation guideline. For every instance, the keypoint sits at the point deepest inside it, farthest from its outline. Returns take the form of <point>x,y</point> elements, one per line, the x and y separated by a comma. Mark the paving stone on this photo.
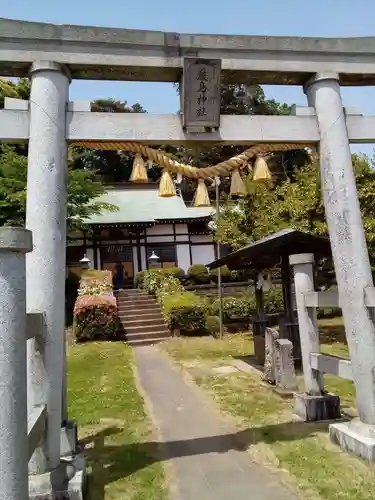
<point>205,461</point>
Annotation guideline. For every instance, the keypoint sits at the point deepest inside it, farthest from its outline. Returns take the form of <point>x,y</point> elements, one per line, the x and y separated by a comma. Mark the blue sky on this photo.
<point>332,18</point>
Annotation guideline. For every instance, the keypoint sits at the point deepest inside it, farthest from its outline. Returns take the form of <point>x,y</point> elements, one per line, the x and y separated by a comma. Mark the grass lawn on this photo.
<point>113,425</point>
<point>302,453</point>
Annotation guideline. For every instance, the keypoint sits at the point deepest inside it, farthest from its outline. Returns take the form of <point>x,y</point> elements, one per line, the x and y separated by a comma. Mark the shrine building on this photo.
<point>145,223</point>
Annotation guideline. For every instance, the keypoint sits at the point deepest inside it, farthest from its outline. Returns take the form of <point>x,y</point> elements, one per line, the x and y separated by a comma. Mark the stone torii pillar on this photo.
<point>348,245</point>
<point>46,217</point>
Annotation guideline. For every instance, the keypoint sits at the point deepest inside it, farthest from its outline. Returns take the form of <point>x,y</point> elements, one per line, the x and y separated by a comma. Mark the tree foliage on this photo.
<point>83,190</point>
<point>295,203</point>
<point>17,90</point>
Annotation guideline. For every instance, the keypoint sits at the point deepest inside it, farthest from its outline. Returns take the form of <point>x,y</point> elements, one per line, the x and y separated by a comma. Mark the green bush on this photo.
<point>273,300</point>
<point>225,274</point>
<point>198,274</point>
<point>168,285</point>
<point>95,310</point>
<point>235,309</point>
<point>139,277</point>
<point>94,282</point>
<point>176,272</point>
<point>240,275</point>
<point>184,311</point>
<point>152,279</point>
<point>95,316</point>
<point>213,325</point>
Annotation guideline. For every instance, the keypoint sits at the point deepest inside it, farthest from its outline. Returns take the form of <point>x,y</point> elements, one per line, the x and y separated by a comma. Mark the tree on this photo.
<point>295,203</point>
<point>18,90</point>
<point>112,166</point>
<point>83,190</point>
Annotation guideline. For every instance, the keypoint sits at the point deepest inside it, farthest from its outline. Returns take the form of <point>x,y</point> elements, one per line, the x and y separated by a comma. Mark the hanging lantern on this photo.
<point>261,171</point>
<point>139,172</point>
<point>237,187</point>
<point>166,185</point>
<point>201,198</point>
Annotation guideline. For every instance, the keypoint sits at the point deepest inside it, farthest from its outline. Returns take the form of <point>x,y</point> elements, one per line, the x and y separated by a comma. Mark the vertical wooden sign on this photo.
<point>201,93</point>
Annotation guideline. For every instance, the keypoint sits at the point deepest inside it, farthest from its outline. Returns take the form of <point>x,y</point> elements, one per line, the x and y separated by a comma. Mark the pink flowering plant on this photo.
<point>95,316</point>
<point>95,310</point>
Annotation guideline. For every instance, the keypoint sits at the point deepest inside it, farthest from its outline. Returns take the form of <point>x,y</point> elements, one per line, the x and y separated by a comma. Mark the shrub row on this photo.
<point>242,308</point>
<point>189,312</point>
<point>182,310</point>
<point>95,310</point>
<point>198,274</point>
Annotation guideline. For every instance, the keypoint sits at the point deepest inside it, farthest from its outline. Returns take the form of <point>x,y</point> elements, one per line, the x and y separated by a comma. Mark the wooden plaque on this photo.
<point>201,93</point>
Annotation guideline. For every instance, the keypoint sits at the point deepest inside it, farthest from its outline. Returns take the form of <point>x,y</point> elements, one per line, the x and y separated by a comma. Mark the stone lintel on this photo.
<point>140,55</point>
<point>83,125</point>
<point>354,437</point>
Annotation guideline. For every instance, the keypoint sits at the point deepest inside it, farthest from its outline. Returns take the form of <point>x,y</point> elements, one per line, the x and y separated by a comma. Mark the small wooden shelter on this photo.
<point>271,252</point>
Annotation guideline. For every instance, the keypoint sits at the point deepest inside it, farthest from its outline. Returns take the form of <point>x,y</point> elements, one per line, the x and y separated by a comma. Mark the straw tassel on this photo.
<point>201,198</point>
<point>237,187</point>
<point>139,172</point>
<point>166,186</point>
<point>261,170</point>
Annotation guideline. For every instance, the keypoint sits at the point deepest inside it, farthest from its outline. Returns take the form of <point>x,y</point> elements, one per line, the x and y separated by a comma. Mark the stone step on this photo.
<point>145,342</point>
<point>141,321</point>
<point>141,300</point>
<point>138,307</point>
<point>144,329</point>
<point>130,337</point>
<point>132,293</point>
<point>142,315</point>
<point>140,312</point>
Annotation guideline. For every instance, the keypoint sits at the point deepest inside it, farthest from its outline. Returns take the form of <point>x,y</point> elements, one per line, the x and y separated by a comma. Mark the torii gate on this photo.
<point>54,54</point>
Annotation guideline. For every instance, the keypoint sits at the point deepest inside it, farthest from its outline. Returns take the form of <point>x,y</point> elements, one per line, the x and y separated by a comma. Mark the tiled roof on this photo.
<point>145,205</point>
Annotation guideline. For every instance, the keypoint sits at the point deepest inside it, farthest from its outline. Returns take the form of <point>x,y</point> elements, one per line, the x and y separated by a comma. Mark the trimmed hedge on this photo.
<point>176,272</point>
<point>95,316</point>
<point>235,309</point>
<point>198,274</point>
<point>95,310</point>
<point>139,277</point>
<point>184,311</point>
<point>213,325</point>
<point>226,275</point>
<point>242,308</point>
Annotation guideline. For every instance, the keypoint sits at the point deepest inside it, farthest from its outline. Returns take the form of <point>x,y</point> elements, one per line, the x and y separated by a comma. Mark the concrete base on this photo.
<point>68,439</point>
<point>355,437</point>
<point>315,408</point>
<point>66,482</point>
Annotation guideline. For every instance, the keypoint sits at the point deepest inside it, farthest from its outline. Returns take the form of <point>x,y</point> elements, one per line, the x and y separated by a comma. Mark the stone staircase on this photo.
<point>141,318</point>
